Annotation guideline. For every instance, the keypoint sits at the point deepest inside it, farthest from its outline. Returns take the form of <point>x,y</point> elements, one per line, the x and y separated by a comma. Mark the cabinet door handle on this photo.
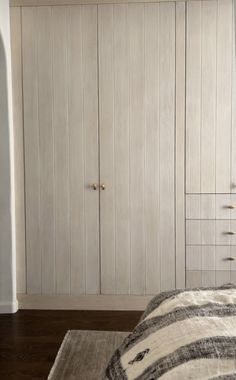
<point>103,186</point>
<point>230,233</point>
<point>230,259</point>
<point>231,207</point>
<point>94,186</point>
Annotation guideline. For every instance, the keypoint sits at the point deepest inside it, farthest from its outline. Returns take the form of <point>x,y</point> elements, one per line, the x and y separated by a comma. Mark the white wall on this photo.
<point>8,303</point>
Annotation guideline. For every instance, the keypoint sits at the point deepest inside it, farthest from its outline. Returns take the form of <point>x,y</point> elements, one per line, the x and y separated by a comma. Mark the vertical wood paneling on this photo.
<point>61,148</point>
<point>44,72</point>
<point>167,143</point>
<point>121,142</point>
<point>107,148</point>
<point>152,159</point>
<point>77,149</point>
<point>193,98</point>
<point>137,129</point>
<point>180,144</point>
<point>208,98</point>
<point>233,135</point>
<point>136,141</point>
<point>90,120</point>
<point>224,82</point>
<point>76,153</point>
<point>32,162</point>
<point>210,95</point>
<point>16,53</point>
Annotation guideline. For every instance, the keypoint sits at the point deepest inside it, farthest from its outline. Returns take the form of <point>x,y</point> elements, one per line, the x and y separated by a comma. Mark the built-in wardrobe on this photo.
<point>119,110</point>
<point>210,144</point>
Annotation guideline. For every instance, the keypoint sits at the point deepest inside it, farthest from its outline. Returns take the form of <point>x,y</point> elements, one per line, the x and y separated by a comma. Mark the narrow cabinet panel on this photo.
<point>60,89</point>
<point>114,149</point>
<point>83,148</point>
<point>61,149</point>
<point>224,93</point>
<point>90,128</point>
<point>137,147</point>
<point>210,82</point>
<point>167,143</point>
<point>208,100</point>
<point>32,160</point>
<point>152,160</point>
<point>45,104</point>
<point>193,97</point>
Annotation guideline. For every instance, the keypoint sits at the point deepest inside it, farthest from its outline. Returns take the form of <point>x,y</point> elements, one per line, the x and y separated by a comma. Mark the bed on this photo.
<point>183,334</point>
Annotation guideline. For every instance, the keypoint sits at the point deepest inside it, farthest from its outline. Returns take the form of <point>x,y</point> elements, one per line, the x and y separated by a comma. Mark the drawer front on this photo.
<point>210,232</point>
<point>211,206</point>
<point>211,258</point>
<point>209,278</point>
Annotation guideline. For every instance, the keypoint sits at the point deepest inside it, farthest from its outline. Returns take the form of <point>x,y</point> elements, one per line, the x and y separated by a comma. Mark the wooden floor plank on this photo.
<point>30,339</point>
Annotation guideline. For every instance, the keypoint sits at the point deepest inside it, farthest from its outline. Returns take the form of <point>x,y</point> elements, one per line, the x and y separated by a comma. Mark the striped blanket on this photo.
<point>183,334</point>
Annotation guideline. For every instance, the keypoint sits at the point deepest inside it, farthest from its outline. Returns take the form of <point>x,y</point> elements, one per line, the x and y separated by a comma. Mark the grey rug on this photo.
<point>84,354</point>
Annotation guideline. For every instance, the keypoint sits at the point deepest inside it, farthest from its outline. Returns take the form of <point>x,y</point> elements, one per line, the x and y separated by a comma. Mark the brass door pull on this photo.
<point>231,233</point>
<point>103,186</point>
<point>94,186</point>
<point>230,258</point>
<point>231,207</point>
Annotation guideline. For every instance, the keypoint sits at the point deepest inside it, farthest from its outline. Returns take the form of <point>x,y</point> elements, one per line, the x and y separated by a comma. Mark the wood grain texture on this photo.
<point>136,146</point>
<point>137,128</point>
<point>167,144</point>
<point>90,112</point>
<point>209,278</point>
<point>224,89</point>
<point>16,52</point>
<point>14,3</point>
<point>209,99</point>
<point>30,339</point>
<point>233,137</point>
<point>32,155</point>
<point>46,140</point>
<point>61,149</point>
<point>193,97</point>
<point>141,111</point>
<point>180,143</point>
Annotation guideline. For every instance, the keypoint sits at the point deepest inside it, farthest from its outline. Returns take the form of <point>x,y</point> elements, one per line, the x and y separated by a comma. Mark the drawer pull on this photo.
<point>230,259</point>
<point>230,233</point>
<point>231,207</point>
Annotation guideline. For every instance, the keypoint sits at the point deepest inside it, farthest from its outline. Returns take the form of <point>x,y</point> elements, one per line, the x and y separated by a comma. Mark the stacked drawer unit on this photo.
<point>210,239</point>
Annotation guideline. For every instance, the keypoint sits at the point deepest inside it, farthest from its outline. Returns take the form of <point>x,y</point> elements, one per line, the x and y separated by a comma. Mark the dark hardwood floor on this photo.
<point>30,339</point>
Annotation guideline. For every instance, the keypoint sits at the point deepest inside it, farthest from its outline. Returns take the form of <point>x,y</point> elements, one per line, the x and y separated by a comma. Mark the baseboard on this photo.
<point>8,307</point>
<point>82,302</point>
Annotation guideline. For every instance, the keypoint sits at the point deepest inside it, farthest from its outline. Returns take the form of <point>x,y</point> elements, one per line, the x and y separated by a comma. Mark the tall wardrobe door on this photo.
<point>210,97</point>
<point>137,147</point>
<point>61,149</point>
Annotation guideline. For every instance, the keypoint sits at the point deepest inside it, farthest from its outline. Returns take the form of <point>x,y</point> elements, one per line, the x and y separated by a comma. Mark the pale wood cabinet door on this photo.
<point>210,97</point>
<point>137,108</point>
<point>60,87</point>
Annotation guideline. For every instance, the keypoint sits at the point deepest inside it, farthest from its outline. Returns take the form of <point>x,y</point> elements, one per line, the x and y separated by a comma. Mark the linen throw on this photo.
<point>183,334</point>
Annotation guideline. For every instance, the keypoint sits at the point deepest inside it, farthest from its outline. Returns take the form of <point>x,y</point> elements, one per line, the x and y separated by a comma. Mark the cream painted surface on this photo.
<point>8,303</point>
<point>83,302</point>
<point>209,278</point>
<point>14,3</point>
<point>210,59</point>
<point>142,208</point>
<point>137,146</point>
<point>61,149</point>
